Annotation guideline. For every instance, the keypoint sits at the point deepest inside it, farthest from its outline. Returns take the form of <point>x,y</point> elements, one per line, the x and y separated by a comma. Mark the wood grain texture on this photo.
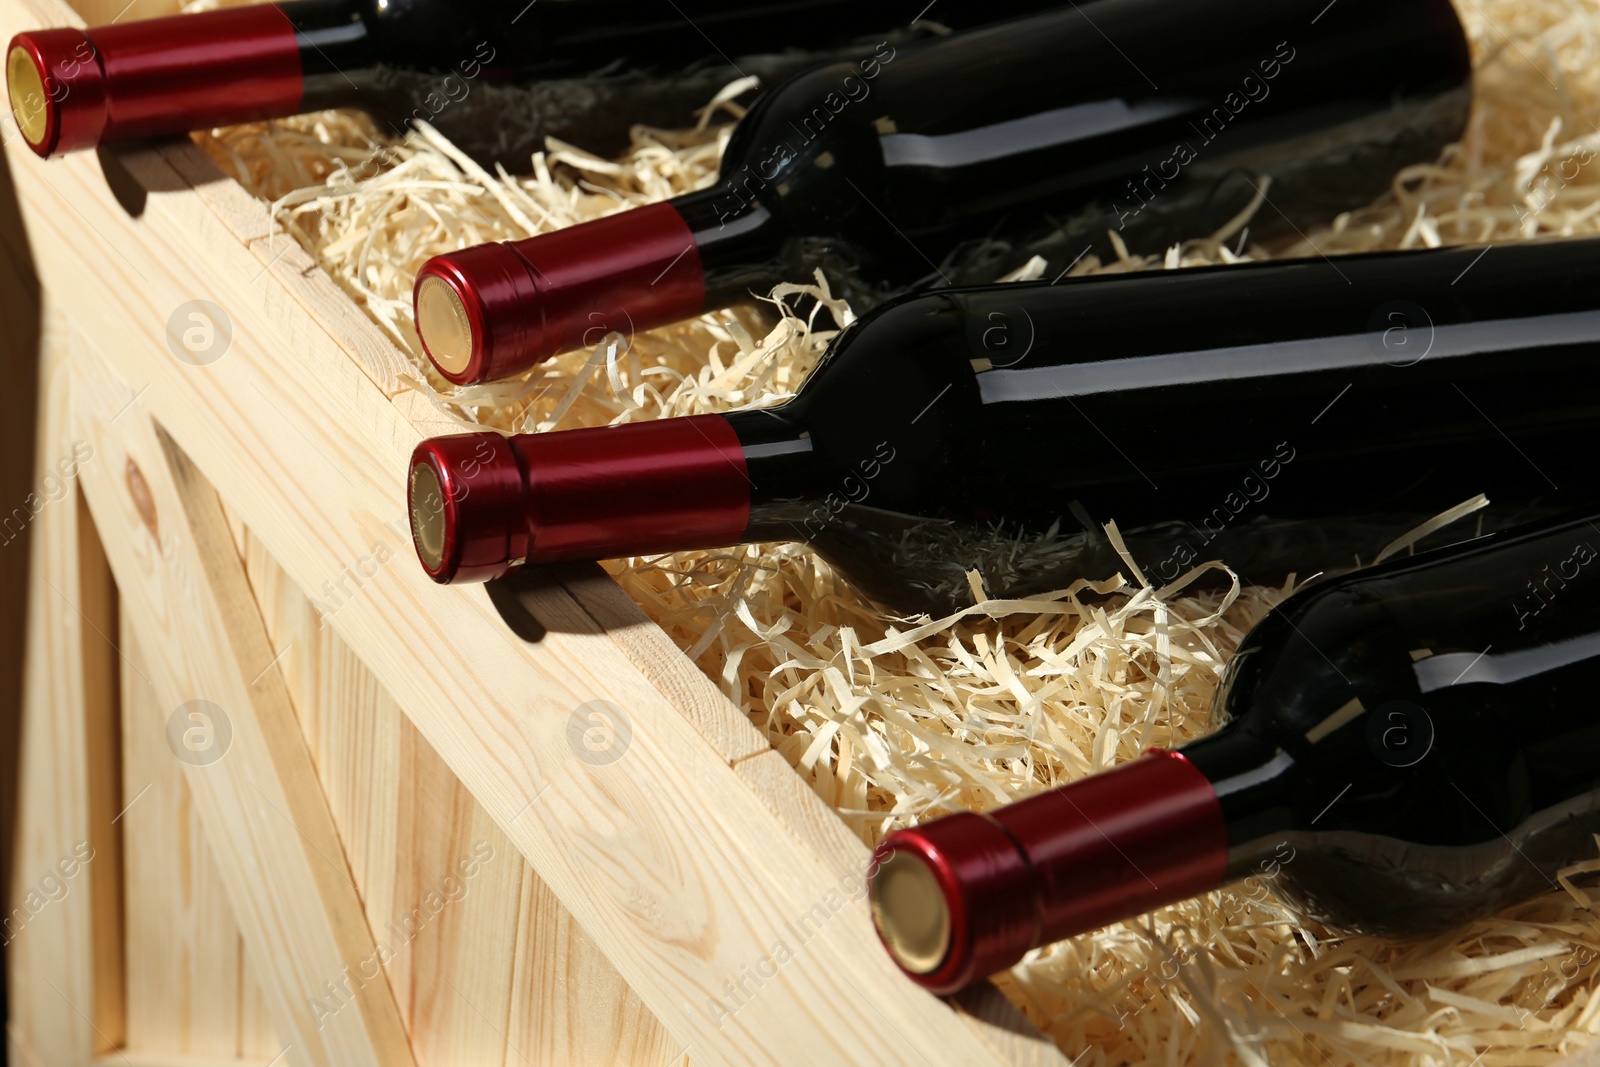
<point>187,979</point>
<point>21,309</point>
<point>569,1006</point>
<point>257,1040</point>
<point>491,966</point>
<point>48,919</point>
<point>260,801</point>
<point>16,1054</point>
<point>102,730</point>
<point>609,611</point>
<point>985,1010</point>
<point>132,1058</point>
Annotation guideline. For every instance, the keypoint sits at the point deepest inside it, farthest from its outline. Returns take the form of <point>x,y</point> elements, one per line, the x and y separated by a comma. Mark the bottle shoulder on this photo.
<point>902,369</point>
<point>1439,701</point>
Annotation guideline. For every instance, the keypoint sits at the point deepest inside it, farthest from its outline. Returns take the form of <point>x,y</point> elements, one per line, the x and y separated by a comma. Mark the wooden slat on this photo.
<point>261,804</point>
<point>20,311</point>
<point>18,1054</point>
<point>457,881</point>
<point>50,940</point>
<point>406,821</point>
<point>607,610</point>
<point>257,1041</point>
<point>131,1058</point>
<point>97,600</point>
<point>984,1009</point>
<point>185,969</point>
<point>569,1006</point>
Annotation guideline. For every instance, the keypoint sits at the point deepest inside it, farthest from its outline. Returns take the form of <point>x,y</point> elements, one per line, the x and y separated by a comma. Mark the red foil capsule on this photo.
<point>959,898</point>
<point>496,310</point>
<point>72,88</point>
<point>484,504</point>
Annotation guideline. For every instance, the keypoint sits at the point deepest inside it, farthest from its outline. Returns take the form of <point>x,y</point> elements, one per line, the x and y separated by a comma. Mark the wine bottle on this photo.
<point>1279,416</point>
<point>1406,748</point>
<point>883,170</point>
<point>614,62</point>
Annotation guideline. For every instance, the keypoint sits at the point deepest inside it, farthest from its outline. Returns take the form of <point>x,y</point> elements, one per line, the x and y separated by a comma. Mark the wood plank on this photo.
<point>607,610</point>
<point>280,257</point>
<point>185,971</point>
<point>402,814</point>
<point>986,1011</point>
<point>17,1053</point>
<point>20,351</point>
<point>48,918</point>
<point>132,1058</point>
<point>264,812</point>
<point>570,1008</point>
<point>102,728</point>
<point>256,1037</point>
<point>457,887</point>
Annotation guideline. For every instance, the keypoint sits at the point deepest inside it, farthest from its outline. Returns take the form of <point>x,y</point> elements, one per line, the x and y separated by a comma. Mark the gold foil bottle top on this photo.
<point>911,913</point>
<point>427,515</point>
<point>442,324</point>
<point>29,104</point>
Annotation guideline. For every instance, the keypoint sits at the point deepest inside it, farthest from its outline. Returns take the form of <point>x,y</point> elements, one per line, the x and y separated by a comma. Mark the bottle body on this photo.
<point>1047,122</point>
<point>948,162</point>
<point>1279,417</point>
<point>596,66</point>
<point>1406,748</point>
<point>1430,730</point>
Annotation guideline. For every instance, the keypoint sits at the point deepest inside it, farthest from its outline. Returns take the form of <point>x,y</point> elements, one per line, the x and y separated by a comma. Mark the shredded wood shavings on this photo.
<point>896,720</point>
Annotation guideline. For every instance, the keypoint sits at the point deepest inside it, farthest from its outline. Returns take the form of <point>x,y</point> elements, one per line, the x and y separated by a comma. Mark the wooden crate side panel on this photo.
<point>992,1018</point>
<point>16,1054</point>
<point>443,886</point>
<point>272,835</point>
<point>457,881</point>
<point>352,728</point>
<point>570,1008</point>
<point>21,350</point>
<point>257,1039</point>
<point>182,941</point>
<point>102,727</point>
<point>48,920</point>
<point>190,988</point>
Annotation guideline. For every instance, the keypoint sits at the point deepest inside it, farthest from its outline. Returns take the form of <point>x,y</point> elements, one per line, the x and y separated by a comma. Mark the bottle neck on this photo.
<point>742,246</point>
<point>1254,783</point>
<point>337,51</point>
<point>786,474</point>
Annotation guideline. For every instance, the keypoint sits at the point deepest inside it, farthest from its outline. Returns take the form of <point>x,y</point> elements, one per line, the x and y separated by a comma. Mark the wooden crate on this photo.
<point>399,855</point>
